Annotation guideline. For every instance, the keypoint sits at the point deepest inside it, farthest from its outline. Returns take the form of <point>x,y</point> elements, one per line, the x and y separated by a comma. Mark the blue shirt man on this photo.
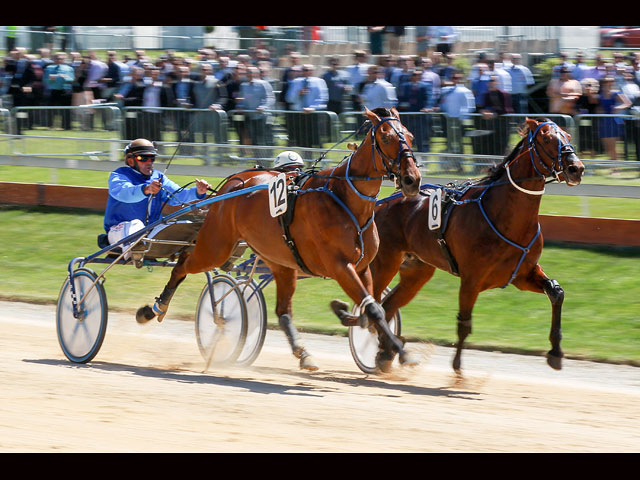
<point>308,92</point>
<point>59,76</point>
<point>256,94</point>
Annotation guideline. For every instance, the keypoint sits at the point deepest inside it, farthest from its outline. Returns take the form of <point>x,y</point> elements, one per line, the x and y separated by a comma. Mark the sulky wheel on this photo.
<point>221,321</point>
<point>256,320</point>
<point>363,341</point>
<point>81,335</point>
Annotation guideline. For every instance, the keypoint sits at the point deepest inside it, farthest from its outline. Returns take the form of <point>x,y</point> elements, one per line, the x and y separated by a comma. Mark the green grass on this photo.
<point>600,315</point>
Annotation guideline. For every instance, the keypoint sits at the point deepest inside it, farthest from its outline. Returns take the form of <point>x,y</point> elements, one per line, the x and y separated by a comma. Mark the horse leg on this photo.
<point>286,279</point>
<point>467,297</point>
<point>161,305</point>
<point>538,282</point>
<point>351,283</point>
<point>414,274</point>
<point>205,256</point>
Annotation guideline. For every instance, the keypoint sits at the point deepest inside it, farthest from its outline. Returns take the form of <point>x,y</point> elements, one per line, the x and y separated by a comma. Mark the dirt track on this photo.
<point>146,392</point>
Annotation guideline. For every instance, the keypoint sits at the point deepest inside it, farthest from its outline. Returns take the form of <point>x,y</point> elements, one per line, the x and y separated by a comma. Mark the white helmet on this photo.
<point>288,158</point>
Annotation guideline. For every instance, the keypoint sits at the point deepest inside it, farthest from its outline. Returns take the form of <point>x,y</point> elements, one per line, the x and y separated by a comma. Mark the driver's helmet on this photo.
<point>141,146</point>
<point>288,159</point>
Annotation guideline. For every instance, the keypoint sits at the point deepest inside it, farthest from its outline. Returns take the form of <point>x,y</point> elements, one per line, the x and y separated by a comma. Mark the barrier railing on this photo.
<point>214,137</point>
<point>85,118</point>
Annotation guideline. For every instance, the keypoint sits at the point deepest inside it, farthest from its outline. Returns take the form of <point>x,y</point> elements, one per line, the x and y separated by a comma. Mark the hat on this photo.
<point>140,146</point>
<point>288,158</point>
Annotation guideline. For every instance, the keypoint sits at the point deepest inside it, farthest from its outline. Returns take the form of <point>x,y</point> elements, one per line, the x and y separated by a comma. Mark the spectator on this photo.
<point>632,125</point>
<point>184,100</point>
<point>288,75</point>
<point>495,103</point>
<point>563,93</point>
<point>611,102</point>
<point>478,66</point>
<point>266,72</point>
<point>599,70</point>
<point>423,40</point>
<point>338,86</point>
<point>95,75</point>
<point>445,38</point>
<point>587,104</point>
<point>379,93</point>
<point>58,80</point>
<point>503,77</point>
<point>580,70</point>
<point>223,69</point>
<point>565,64</point>
<point>429,76</point>
<point>256,99</point>
<point>131,95</point>
<point>448,69</point>
<point>206,95</point>
<point>22,78</point>
<point>457,102</point>
<point>403,71</point>
<point>306,94</point>
<point>388,64</point>
<point>393,37</point>
<point>230,86</point>
<point>155,94</point>
<point>415,98</point>
<point>521,81</point>
<point>358,73</point>
<point>376,40</point>
<point>113,77</point>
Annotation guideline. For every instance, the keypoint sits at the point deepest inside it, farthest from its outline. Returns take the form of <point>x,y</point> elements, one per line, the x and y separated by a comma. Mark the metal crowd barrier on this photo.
<point>247,138</point>
<point>92,118</point>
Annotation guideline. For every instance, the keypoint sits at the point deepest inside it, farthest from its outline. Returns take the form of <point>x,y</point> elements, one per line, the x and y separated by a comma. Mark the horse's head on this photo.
<point>552,147</point>
<point>392,141</point>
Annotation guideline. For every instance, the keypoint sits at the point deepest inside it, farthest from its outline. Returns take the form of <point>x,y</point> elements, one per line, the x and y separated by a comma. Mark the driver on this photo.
<point>137,193</point>
<point>288,160</point>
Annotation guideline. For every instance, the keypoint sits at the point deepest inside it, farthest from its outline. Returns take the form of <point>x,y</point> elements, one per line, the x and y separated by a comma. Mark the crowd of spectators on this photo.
<point>491,87</point>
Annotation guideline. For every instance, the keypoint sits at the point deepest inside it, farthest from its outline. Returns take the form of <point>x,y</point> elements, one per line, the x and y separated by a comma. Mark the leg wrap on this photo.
<point>374,311</point>
<point>292,334</point>
<point>464,327</point>
<point>554,291</point>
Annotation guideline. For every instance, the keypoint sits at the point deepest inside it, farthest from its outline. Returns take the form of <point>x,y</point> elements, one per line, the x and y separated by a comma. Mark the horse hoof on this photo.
<point>384,361</point>
<point>308,363</point>
<point>554,361</point>
<point>144,314</point>
<point>339,307</point>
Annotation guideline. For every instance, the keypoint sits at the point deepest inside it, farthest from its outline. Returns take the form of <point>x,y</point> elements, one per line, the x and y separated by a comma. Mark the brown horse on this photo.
<point>332,234</point>
<point>489,237</point>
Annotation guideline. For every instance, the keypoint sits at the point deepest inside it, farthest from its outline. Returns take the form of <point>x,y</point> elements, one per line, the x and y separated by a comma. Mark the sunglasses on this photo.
<point>145,158</point>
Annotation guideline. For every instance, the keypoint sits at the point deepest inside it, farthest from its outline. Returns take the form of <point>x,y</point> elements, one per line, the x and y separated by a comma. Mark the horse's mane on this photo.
<point>496,172</point>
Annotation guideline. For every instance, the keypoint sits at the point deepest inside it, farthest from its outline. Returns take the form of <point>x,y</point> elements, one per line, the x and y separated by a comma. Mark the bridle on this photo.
<point>556,167</point>
<point>389,163</point>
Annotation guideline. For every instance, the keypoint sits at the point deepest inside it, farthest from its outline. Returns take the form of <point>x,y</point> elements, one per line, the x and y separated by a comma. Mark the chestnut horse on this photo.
<point>332,233</point>
<point>489,237</point>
